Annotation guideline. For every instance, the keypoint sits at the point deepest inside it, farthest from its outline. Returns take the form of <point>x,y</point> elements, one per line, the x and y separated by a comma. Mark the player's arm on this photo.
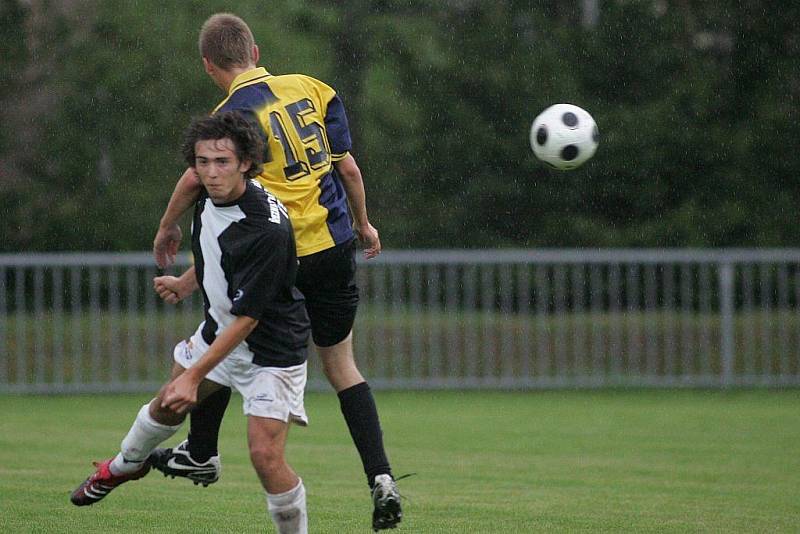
<point>338,133</point>
<point>181,394</point>
<point>168,237</point>
<point>257,281</point>
<point>173,289</point>
<point>353,184</point>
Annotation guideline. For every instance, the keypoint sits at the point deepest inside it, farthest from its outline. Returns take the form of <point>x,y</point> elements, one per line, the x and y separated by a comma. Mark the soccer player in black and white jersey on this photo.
<point>255,334</point>
<point>310,168</point>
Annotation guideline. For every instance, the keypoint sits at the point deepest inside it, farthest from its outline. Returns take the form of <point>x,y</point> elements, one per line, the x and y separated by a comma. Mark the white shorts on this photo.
<point>272,392</point>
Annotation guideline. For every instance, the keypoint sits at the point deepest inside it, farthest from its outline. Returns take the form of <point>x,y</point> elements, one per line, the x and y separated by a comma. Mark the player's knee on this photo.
<point>341,370</point>
<point>341,379</point>
<point>165,416</point>
<point>266,459</point>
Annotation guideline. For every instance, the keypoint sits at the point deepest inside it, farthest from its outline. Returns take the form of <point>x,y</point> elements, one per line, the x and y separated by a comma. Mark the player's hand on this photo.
<point>180,395</point>
<point>169,288</point>
<point>368,235</point>
<point>165,245</point>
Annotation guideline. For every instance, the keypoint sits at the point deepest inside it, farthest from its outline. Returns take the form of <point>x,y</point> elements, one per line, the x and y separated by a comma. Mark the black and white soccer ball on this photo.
<point>564,136</point>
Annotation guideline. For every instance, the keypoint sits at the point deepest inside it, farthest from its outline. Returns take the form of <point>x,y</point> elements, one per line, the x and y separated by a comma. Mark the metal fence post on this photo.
<point>720,318</point>
<point>726,308</point>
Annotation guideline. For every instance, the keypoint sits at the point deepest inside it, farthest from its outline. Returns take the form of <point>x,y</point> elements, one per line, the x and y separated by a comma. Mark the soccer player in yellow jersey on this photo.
<point>308,166</point>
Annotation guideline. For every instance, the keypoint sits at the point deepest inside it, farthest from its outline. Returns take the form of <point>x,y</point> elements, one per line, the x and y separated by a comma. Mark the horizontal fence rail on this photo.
<point>91,322</point>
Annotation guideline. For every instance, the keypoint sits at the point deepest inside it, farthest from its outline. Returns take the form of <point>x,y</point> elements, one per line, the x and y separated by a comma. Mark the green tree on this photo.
<point>696,104</point>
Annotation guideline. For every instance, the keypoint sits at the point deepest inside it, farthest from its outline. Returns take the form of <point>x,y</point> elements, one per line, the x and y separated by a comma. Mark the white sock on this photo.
<point>145,434</point>
<point>288,510</point>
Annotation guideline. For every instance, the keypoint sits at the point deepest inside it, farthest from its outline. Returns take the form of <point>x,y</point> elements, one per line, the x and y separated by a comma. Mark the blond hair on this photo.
<point>226,41</point>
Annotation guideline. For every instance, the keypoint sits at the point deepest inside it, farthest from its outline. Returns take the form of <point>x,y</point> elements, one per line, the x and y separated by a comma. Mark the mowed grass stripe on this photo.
<point>601,461</point>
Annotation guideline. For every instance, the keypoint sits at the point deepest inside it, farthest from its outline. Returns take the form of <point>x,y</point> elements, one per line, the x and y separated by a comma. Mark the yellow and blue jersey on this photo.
<point>306,131</point>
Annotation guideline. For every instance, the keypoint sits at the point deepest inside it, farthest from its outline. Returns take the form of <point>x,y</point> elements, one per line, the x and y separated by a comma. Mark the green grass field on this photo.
<point>609,461</point>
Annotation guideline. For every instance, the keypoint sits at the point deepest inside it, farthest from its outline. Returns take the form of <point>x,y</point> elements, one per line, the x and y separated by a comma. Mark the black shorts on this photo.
<point>328,281</point>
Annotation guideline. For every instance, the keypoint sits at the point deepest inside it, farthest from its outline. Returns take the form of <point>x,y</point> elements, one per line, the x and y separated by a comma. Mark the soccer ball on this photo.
<point>564,136</point>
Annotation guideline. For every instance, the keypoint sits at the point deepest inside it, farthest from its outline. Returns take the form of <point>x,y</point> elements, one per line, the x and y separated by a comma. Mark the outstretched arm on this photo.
<point>168,237</point>
<point>354,186</point>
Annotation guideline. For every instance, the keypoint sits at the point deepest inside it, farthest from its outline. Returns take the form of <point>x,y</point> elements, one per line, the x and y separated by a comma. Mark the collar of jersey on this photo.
<point>228,204</point>
<point>235,201</point>
<point>258,74</point>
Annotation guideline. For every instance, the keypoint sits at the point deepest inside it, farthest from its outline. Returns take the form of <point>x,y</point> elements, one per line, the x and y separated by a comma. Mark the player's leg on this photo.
<point>153,424</point>
<point>327,279</point>
<point>273,397</point>
<point>286,494</point>
<point>357,405</point>
<point>196,458</point>
<point>204,424</point>
<point>361,414</point>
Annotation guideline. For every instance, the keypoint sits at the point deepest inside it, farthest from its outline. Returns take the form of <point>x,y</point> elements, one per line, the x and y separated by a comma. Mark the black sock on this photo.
<point>204,423</point>
<point>361,415</point>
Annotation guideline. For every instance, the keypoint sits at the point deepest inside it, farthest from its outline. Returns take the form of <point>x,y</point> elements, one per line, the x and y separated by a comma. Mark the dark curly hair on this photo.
<point>247,138</point>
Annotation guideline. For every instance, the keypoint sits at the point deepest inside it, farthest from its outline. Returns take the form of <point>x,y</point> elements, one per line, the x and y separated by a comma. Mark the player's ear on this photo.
<point>208,66</point>
<point>245,165</point>
<point>255,54</point>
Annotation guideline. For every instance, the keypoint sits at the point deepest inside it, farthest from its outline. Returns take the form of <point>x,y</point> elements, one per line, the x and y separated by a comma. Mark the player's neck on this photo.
<point>226,77</point>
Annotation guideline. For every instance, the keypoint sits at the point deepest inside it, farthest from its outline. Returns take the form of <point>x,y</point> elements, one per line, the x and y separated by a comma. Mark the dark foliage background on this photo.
<point>697,105</point>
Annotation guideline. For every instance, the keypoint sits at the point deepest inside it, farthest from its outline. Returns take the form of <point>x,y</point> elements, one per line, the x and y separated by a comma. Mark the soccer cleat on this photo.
<point>178,462</point>
<point>386,499</point>
<point>102,481</point>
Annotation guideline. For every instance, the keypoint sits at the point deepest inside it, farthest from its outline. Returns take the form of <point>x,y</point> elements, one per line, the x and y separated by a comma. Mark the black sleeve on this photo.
<point>260,274</point>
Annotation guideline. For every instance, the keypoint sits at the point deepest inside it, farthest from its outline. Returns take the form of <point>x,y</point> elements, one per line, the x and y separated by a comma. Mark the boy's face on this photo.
<point>219,169</point>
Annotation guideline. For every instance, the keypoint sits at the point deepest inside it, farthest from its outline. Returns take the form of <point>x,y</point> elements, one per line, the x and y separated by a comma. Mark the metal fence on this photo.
<point>440,319</point>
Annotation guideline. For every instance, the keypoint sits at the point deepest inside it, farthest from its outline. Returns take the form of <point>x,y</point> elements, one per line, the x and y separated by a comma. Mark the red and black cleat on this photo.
<point>102,481</point>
